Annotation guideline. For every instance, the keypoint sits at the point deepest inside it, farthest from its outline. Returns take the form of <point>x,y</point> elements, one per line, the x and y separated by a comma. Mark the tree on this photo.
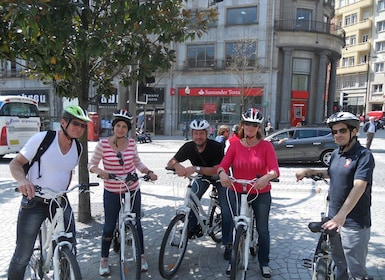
<point>80,44</point>
<point>244,67</point>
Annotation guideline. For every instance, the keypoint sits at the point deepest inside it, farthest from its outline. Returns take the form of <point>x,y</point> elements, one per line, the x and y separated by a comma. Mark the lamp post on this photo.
<point>187,92</point>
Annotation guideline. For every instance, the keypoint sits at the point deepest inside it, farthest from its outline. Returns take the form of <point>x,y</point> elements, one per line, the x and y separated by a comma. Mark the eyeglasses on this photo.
<point>120,157</point>
<point>76,123</point>
<point>251,123</point>
<point>342,131</point>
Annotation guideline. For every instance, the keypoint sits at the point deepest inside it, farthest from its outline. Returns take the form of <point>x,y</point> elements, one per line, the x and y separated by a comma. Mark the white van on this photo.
<point>19,120</point>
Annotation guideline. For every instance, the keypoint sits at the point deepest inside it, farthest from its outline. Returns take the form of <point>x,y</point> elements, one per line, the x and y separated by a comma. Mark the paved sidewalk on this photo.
<point>295,204</point>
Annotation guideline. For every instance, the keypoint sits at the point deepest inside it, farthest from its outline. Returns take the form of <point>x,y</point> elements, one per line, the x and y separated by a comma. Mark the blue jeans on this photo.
<point>261,207</point>
<point>29,221</point>
<point>111,203</point>
<point>199,187</point>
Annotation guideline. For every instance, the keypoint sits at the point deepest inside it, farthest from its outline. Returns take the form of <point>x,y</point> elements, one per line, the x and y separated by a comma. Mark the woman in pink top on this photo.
<point>120,156</point>
<point>249,158</point>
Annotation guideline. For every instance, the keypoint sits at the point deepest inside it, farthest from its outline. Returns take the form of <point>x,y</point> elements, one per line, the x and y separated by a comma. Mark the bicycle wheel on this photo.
<point>130,260</point>
<point>173,247</point>
<point>321,268</point>
<point>254,239</point>
<point>238,265</point>
<point>36,261</point>
<point>68,265</point>
<point>215,223</point>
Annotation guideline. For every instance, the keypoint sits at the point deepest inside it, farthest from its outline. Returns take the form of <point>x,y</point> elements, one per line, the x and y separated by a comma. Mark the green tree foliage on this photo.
<point>81,44</point>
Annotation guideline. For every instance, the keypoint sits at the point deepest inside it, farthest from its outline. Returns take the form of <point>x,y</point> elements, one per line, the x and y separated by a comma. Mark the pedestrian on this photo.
<point>119,156</point>
<point>370,129</point>
<point>234,136</point>
<point>204,155</point>
<point>351,176</point>
<point>46,173</point>
<point>250,157</point>
<point>223,135</point>
<point>185,131</point>
<point>269,129</point>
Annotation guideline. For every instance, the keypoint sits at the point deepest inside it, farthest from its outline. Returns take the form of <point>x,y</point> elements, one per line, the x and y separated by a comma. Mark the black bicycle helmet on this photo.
<point>122,115</point>
<point>345,117</point>
<point>252,115</point>
<point>199,125</point>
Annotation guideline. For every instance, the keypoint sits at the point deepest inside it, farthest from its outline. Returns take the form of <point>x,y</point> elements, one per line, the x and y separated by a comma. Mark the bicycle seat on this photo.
<point>317,227</point>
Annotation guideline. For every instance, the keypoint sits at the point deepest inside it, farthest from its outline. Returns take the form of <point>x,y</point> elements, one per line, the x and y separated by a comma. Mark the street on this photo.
<point>295,204</point>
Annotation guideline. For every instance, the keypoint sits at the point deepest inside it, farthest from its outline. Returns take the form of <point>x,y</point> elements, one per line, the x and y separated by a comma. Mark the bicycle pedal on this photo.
<point>307,263</point>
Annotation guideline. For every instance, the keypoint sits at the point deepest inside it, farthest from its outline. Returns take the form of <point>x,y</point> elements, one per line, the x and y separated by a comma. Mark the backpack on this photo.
<point>48,139</point>
<point>366,127</point>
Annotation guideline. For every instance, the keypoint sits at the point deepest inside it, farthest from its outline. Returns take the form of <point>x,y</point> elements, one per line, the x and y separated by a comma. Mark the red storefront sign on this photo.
<point>209,108</point>
<point>197,91</point>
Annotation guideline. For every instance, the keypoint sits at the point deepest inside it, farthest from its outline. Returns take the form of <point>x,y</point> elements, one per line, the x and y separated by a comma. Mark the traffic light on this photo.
<point>343,99</point>
<point>335,107</point>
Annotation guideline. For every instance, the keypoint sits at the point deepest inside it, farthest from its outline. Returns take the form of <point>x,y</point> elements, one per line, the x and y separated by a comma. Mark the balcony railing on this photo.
<point>295,25</point>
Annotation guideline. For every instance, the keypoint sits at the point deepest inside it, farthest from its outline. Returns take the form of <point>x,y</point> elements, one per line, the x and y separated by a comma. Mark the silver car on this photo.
<point>303,144</point>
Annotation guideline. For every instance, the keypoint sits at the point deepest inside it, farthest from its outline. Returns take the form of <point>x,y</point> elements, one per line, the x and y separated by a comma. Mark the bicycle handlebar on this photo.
<point>317,177</point>
<point>81,186</point>
<point>130,178</point>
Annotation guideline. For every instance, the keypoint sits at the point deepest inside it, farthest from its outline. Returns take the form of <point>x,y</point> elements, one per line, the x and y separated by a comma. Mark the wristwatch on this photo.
<point>197,169</point>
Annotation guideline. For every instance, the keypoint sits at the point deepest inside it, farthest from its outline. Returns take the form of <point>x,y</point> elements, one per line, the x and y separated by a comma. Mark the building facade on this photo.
<point>280,56</point>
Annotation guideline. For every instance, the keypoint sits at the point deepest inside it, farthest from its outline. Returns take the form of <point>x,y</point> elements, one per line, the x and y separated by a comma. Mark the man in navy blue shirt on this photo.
<point>351,177</point>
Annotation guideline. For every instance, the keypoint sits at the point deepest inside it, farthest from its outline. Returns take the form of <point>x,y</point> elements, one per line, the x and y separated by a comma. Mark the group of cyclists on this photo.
<point>248,156</point>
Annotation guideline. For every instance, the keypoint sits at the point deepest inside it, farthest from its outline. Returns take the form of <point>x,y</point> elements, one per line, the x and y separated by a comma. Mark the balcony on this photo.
<point>294,25</point>
<point>362,47</point>
<point>359,68</point>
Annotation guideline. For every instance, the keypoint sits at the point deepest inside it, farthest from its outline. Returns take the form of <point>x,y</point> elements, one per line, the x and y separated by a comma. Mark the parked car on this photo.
<point>303,144</point>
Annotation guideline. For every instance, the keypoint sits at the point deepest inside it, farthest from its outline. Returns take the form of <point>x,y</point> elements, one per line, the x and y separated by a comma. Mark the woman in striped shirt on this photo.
<point>119,156</point>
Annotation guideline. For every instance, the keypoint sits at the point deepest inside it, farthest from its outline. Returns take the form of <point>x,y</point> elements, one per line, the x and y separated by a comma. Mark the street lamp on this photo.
<point>187,92</point>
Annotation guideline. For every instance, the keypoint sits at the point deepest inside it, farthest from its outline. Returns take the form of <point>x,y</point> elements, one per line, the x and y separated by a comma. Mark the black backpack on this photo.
<point>48,139</point>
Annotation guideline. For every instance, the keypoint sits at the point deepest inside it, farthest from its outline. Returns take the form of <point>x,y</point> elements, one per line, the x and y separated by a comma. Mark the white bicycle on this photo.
<point>54,248</point>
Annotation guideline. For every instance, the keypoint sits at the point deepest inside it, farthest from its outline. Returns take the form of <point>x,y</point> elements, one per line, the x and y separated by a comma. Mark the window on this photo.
<point>363,59</point>
<point>377,88</point>
<point>381,26</point>
<point>365,38</point>
<point>304,18</point>
<point>353,40</point>
<point>241,54</point>
<point>299,82</point>
<point>381,5</point>
<point>380,46</point>
<point>379,67</point>
<point>240,16</point>
<point>347,20</point>
<point>354,18</point>
<point>200,56</point>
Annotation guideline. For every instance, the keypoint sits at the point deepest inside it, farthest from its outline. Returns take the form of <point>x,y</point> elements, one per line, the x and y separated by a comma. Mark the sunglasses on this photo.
<point>120,157</point>
<point>76,123</point>
<point>251,123</point>
<point>342,131</point>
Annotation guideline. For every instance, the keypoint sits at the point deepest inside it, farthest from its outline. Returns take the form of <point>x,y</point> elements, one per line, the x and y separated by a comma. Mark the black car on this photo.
<point>303,144</point>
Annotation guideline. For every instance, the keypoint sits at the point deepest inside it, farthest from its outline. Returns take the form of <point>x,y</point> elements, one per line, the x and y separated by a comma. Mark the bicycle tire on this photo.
<point>254,239</point>
<point>36,261</point>
<point>130,246</point>
<point>173,247</point>
<point>215,223</point>
<point>68,266</point>
<point>321,270</point>
<point>238,266</point>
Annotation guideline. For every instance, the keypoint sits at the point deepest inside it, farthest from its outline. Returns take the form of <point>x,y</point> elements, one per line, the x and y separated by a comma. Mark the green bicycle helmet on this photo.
<point>76,112</point>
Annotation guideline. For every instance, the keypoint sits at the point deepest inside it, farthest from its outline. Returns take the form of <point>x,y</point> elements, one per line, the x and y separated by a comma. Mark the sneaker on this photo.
<point>228,269</point>
<point>144,265</point>
<point>227,254</point>
<point>266,271</point>
<point>104,269</point>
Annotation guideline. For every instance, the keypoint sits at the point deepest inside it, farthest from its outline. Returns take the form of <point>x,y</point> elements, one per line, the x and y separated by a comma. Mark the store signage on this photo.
<point>229,108</point>
<point>196,91</point>
<point>40,96</point>
<point>209,108</point>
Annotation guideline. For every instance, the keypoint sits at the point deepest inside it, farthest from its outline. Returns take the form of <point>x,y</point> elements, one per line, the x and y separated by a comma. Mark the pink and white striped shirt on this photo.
<point>111,163</point>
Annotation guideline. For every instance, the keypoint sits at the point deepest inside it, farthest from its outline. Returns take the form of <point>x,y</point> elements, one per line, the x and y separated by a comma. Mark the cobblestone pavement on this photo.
<point>294,205</point>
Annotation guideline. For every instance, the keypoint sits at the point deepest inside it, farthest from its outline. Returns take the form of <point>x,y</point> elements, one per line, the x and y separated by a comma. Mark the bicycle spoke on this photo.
<point>130,260</point>
<point>238,265</point>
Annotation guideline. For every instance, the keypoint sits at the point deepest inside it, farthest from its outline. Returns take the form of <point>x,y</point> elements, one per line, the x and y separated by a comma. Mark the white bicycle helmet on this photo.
<point>199,125</point>
<point>122,115</point>
<point>252,115</point>
<point>344,117</point>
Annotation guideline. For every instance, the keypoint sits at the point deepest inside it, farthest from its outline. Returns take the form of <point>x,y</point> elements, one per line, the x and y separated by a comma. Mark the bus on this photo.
<point>19,120</point>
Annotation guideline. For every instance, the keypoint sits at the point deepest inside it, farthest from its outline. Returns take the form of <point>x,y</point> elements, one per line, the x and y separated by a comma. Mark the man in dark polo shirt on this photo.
<point>351,177</point>
<point>204,155</point>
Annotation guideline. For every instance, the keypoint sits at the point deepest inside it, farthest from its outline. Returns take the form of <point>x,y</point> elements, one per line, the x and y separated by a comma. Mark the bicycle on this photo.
<point>126,232</point>
<point>176,237</point>
<point>54,246</point>
<point>322,264</point>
